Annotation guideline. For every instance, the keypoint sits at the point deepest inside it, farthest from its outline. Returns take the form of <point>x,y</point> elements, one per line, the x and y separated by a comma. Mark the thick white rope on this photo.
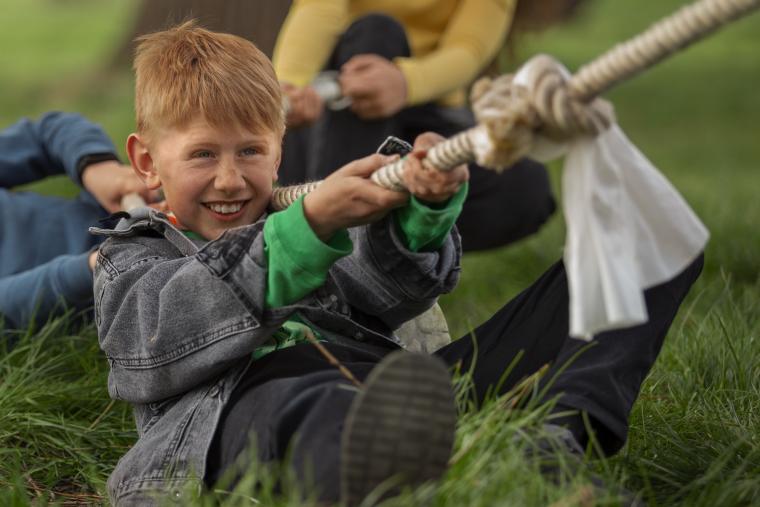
<point>509,115</point>
<point>687,25</point>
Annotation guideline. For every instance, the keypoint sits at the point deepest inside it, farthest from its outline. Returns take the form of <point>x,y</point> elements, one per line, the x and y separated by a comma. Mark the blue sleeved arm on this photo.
<point>57,143</point>
<point>49,289</point>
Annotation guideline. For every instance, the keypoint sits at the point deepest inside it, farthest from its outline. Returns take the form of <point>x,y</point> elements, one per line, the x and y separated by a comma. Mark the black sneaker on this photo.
<point>400,428</point>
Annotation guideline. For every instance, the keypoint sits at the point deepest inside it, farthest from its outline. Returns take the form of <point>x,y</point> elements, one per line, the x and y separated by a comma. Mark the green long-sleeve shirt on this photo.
<point>298,260</point>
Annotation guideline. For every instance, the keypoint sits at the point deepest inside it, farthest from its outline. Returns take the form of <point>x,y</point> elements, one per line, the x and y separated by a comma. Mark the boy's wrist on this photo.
<point>434,205</point>
<point>87,173</point>
<point>93,159</point>
<point>314,214</point>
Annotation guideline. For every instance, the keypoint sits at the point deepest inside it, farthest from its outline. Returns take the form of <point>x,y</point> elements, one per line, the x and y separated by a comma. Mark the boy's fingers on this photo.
<point>364,167</point>
<point>427,140</point>
<point>383,198</point>
<point>366,190</point>
<point>433,185</point>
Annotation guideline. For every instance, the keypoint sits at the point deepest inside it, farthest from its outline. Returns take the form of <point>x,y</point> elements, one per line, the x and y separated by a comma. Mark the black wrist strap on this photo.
<point>93,158</point>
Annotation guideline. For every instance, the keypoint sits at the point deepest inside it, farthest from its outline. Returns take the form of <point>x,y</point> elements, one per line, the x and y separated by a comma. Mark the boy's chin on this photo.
<point>216,230</point>
<point>212,233</point>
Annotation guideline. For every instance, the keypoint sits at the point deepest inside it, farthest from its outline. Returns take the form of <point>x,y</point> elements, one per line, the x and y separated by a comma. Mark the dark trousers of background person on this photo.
<point>293,401</point>
<point>500,208</point>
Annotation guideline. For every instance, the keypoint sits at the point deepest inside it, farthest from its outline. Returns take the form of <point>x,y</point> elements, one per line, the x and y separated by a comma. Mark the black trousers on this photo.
<point>500,208</point>
<point>295,401</point>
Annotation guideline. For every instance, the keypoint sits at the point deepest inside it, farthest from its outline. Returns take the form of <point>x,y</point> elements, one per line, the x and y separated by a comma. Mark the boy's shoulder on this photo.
<point>140,235</point>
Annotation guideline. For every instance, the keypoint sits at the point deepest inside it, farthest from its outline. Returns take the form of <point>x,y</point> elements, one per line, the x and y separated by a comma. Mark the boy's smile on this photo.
<point>213,178</point>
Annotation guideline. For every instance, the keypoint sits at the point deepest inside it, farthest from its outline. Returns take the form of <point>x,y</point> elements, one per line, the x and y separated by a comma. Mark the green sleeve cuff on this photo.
<point>298,261</point>
<point>424,227</point>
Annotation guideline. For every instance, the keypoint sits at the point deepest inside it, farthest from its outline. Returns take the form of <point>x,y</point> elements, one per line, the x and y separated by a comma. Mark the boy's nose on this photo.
<point>229,179</point>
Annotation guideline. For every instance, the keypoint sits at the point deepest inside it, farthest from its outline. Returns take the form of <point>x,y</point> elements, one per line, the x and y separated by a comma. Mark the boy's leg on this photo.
<point>51,289</point>
<point>400,429</point>
<point>35,229</point>
<point>603,381</point>
<point>533,326</point>
<point>336,435</point>
<point>270,415</point>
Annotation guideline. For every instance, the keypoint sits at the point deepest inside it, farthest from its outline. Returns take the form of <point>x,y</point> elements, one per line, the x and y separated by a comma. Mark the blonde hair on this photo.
<point>187,71</point>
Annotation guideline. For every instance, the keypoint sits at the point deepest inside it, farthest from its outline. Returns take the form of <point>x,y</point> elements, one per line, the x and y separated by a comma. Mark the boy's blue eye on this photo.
<point>250,151</point>
<point>203,154</point>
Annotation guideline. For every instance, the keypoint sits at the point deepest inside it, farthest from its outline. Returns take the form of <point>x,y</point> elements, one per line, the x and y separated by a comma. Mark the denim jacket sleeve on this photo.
<point>169,321</point>
<point>171,317</point>
<point>54,144</point>
<point>396,284</point>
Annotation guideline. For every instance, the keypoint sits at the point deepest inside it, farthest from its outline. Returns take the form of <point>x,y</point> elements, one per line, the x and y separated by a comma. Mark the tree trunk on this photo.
<point>256,20</point>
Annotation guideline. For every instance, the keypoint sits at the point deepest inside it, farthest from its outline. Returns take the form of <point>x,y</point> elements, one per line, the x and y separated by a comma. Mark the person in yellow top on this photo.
<point>404,66</point>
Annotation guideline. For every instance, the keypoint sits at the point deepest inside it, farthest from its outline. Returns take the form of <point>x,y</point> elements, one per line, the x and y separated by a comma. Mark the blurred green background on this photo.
<point>695,116</point>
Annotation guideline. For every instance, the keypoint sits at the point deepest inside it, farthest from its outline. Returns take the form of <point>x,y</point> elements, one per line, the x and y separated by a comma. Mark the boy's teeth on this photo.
<point>225,208</point>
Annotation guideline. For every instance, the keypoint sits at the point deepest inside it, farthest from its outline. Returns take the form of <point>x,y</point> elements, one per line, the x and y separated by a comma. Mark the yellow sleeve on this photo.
<point>472,37</point>
<point>307,39</point>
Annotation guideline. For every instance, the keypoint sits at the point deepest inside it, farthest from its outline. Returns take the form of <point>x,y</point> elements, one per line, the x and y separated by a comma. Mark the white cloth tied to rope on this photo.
<point>628,228</point>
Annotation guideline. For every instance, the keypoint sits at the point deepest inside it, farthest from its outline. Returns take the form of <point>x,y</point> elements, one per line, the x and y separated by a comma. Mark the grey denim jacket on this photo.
<point>178,322</point>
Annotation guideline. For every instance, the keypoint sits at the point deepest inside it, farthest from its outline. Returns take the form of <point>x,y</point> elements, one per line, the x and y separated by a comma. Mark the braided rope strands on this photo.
<point>677,31</point>
<point>554,103</point>
<point>443,156</point>
<point>283,197</point>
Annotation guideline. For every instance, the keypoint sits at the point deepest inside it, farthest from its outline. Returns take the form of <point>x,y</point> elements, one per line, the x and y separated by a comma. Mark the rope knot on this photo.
<point>504,111</point>
<point>539,102</point>
<point>563,114</point>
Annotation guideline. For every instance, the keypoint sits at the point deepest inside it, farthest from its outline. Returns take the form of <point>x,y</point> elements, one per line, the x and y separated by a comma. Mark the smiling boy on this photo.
<point>190,316</point>
<point>206,319</point>
<point>213,177</point>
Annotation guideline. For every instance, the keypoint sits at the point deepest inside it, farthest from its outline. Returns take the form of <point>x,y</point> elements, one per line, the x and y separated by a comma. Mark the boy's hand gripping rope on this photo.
<point>552,105</point>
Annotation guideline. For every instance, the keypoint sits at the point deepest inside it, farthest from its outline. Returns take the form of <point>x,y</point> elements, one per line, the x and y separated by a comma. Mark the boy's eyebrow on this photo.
<point>199,145</point>
<point>256,138</point>
<point>253,138</point>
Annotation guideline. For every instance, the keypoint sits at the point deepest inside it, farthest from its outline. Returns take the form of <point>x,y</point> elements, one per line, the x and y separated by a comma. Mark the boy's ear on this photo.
<point>277,167</point>
<point>142,161</point>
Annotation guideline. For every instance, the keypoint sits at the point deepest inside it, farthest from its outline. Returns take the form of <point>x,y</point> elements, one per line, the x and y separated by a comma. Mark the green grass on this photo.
<point>695,431</point>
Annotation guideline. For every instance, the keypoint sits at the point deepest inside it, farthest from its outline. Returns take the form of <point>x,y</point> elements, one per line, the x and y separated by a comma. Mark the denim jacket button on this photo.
<point>214,391</point>
<point>359,336</point>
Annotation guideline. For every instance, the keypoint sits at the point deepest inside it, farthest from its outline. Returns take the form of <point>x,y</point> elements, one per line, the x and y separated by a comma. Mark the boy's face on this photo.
<point>213,178</point>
